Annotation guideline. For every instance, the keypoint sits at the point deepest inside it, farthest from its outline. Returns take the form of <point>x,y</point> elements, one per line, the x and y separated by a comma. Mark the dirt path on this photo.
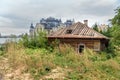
<point>7,73</point>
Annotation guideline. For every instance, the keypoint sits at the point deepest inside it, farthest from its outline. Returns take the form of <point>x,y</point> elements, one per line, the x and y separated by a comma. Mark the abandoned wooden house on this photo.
<point>80,36</point>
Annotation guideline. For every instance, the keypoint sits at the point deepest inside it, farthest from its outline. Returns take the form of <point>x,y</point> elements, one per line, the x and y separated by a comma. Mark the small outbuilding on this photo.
<point>80,36</point>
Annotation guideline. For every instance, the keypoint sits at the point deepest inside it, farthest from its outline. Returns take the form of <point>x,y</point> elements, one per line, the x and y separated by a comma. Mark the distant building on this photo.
<point>69,22</point>
<point>38,28</point>
<point>103,28</point>
<point>49,24</point>
<point>31,31</point>
<point>35,30</point>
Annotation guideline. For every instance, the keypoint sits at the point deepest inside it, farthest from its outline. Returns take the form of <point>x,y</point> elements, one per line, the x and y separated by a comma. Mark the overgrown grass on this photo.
<point>35,61</point>
<point>86,66</point>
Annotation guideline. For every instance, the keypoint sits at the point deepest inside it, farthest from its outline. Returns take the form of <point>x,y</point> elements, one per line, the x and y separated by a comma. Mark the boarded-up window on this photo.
<point>97,46</point>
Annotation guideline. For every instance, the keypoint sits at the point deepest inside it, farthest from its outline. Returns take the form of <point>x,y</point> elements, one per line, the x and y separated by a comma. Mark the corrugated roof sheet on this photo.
<point>79,30</point>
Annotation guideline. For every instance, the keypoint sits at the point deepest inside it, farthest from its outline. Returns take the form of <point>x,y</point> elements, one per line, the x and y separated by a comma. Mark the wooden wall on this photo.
<point>89,43</point>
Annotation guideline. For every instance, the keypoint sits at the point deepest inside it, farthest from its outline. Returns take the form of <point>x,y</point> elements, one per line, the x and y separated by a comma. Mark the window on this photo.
<point>81,48</point>
<point>69,31</point>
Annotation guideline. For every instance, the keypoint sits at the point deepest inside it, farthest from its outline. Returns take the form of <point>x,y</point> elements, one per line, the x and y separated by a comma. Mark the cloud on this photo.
<point>97,8</point>
<point>16,31</point>
<point>18,14</point>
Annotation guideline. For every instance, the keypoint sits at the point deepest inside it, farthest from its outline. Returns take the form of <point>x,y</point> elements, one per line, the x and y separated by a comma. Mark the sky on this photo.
<point>17,15</point>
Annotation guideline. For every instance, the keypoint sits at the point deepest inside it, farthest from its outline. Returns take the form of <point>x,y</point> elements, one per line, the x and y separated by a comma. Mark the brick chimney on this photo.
<point>86,22</point>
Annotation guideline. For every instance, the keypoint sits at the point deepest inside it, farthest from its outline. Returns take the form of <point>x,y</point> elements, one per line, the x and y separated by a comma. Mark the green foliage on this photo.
<point>115,35</point>
<point>107,33</point>
<point>95,27</point>
<point>25,40</point>
<point>37,41</point>
<point>1,50</point>
<point>116,19</point>
<point>1,53</point>
<point>41,62</point>
<point>75,75</point>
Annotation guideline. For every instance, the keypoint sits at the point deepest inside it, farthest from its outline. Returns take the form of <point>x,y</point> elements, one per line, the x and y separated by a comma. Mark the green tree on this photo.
<point>95,27</point>
<point>41,40</point>
<point>37,41</point>
<point>108,32</point>
<point>115,31</point>
<point>25,40</point>
<point>116,19</point>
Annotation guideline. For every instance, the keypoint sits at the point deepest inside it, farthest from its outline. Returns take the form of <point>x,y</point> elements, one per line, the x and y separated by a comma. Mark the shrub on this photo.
<point>37,41</point>
<point>34,61</point>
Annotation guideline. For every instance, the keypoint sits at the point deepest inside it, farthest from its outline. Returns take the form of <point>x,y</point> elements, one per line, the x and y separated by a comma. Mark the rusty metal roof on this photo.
<point>79,30</point>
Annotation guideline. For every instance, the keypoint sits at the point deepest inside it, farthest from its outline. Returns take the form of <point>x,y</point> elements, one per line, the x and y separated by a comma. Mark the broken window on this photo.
<point>81,48</point>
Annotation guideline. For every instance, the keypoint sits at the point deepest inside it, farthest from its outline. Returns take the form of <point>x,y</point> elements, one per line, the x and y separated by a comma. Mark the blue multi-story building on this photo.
<point>69,22</point>
<point>49,24</point>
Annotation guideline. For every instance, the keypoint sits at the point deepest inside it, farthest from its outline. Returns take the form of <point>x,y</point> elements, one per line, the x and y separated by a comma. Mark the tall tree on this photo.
<point>116,19</point>
<point>115,32</point>
<point>115,35</point>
